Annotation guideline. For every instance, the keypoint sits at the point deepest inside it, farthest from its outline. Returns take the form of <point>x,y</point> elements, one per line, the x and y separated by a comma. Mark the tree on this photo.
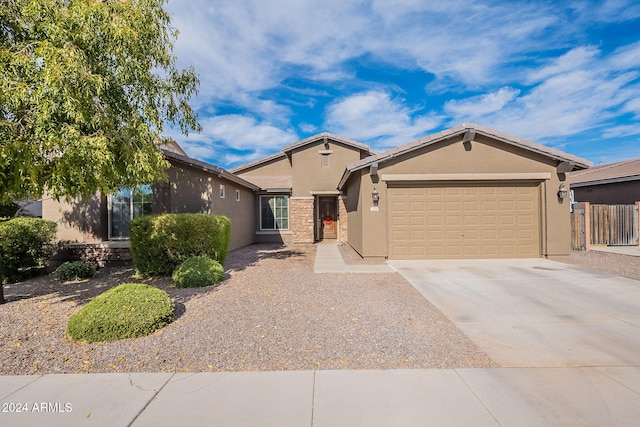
<point>86,89</point>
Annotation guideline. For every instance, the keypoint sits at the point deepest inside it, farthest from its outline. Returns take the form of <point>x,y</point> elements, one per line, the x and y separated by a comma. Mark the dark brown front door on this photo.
<point>328,218</point>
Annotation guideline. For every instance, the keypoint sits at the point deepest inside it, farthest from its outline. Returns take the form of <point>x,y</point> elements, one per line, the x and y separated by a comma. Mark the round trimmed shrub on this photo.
<point>198,271</point>
<point>74,270</point>
<point>129,310</point>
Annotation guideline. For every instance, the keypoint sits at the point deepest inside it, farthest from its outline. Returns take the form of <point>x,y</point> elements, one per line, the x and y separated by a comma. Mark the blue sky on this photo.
<point>385,72</point>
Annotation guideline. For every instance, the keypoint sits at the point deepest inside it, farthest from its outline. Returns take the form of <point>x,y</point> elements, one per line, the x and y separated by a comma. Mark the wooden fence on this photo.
<point>604,225</point>
<point>578,237</point>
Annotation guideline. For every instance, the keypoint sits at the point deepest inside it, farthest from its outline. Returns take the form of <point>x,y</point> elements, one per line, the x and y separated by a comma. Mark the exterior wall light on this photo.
<point>562,192</point>
<point>375,196</point>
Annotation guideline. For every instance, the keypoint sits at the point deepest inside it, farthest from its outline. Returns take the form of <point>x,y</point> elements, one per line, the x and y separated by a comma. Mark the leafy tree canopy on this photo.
<point>86,88</point>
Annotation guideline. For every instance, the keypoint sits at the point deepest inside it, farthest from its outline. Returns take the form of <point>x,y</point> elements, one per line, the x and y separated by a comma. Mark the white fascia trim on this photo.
<point>466,176</point>
<point>326,193</point>
<point>301,198</point>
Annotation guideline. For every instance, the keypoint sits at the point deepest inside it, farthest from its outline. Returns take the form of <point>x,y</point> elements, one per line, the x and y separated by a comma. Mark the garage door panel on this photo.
<point>464,221</point>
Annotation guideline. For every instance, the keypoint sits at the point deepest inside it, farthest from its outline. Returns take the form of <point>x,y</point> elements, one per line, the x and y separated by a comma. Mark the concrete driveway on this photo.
<point>535,312</point>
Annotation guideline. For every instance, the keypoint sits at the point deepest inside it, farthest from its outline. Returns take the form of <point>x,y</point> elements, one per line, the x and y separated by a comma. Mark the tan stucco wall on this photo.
<point>277,167</point>
<point>308,173</point>
<point>190,190</point>
<point>354,212</point>
<point>77,220</point>
<point>483,156</point>
<point>194,191</point>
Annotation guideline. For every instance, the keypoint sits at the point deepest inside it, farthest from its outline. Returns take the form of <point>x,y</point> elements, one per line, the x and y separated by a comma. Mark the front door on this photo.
<point>328,218</point>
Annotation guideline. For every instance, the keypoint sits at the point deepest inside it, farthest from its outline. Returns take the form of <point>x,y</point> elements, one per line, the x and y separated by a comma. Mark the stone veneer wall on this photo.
<point>301,219</point>
<point>101,254</point>
<point>342,214</point>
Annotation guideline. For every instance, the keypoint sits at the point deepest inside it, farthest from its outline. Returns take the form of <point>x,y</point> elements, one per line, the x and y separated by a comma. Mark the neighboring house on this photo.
<point>467,192</point>
<point>615,183</point>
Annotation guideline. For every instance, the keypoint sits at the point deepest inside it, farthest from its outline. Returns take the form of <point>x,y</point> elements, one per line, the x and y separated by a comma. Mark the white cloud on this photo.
<point>252,56</point>
<point>575,59</point>
<point>481,105</point>
<point>308,128</point>
<point>377,118</point>
<point>242,46</point>
<point>226,139</point>
<point>578,91</point>
<point>622,130</point>
<point>626,57</point>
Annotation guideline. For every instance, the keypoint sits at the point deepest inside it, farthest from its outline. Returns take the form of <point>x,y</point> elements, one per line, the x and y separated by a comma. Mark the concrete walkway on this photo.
<point>329,260</point>
<point>622,250</point>
<point>478,397</point>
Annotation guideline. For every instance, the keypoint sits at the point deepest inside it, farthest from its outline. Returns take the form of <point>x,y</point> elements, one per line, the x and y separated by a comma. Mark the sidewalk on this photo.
<point>329,260</point>
<point>478,397</point>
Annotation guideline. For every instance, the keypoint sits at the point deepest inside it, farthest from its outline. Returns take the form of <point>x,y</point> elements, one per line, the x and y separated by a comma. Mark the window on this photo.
<point>274,212</point>
<point>221,191</point>
<point>237,195</point>
<point>127,204</point>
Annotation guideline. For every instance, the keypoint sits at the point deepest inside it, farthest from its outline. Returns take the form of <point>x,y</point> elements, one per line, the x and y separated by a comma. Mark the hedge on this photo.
<point>25,243</point>
<point>159,243</point>
<point>129,310</point>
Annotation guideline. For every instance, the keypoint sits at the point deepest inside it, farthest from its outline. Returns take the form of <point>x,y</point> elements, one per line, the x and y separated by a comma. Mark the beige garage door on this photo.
<point>464,221</point>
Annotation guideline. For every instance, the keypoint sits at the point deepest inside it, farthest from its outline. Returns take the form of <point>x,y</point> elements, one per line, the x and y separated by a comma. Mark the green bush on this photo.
<point>159,243</point>
<point>74,270</point>
<point>25,244</point>
<point>129,310</point>
<point>198,271</point>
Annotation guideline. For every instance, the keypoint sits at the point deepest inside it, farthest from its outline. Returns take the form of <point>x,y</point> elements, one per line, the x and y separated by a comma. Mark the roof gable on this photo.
<point>467,131</point>
<point>222,173</point>
<point>170,144</point>
<point>325,136</point>
<point>286,151</point>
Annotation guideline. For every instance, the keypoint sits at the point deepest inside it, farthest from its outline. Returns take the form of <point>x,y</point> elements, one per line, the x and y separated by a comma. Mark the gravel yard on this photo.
<point>272,313</point>
<point>620,265</point>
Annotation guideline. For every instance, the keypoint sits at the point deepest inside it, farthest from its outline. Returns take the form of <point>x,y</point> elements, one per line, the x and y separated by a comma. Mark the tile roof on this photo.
<point>271,182</point>
<point>627,170</point>
<point>330,136</point>
<point>301,143</point>
<point>574,161</point>
<point>459,130</point>
<point>207,167</point>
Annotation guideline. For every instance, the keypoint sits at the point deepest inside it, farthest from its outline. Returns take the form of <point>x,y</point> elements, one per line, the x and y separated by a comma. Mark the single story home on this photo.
<point>612,184</point>
<point>466,192</point>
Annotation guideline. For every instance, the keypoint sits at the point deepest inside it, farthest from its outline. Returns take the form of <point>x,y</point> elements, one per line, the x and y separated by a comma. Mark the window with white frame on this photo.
<point>125,205</point>
<point>222,191</point>
<point>274,212</point>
